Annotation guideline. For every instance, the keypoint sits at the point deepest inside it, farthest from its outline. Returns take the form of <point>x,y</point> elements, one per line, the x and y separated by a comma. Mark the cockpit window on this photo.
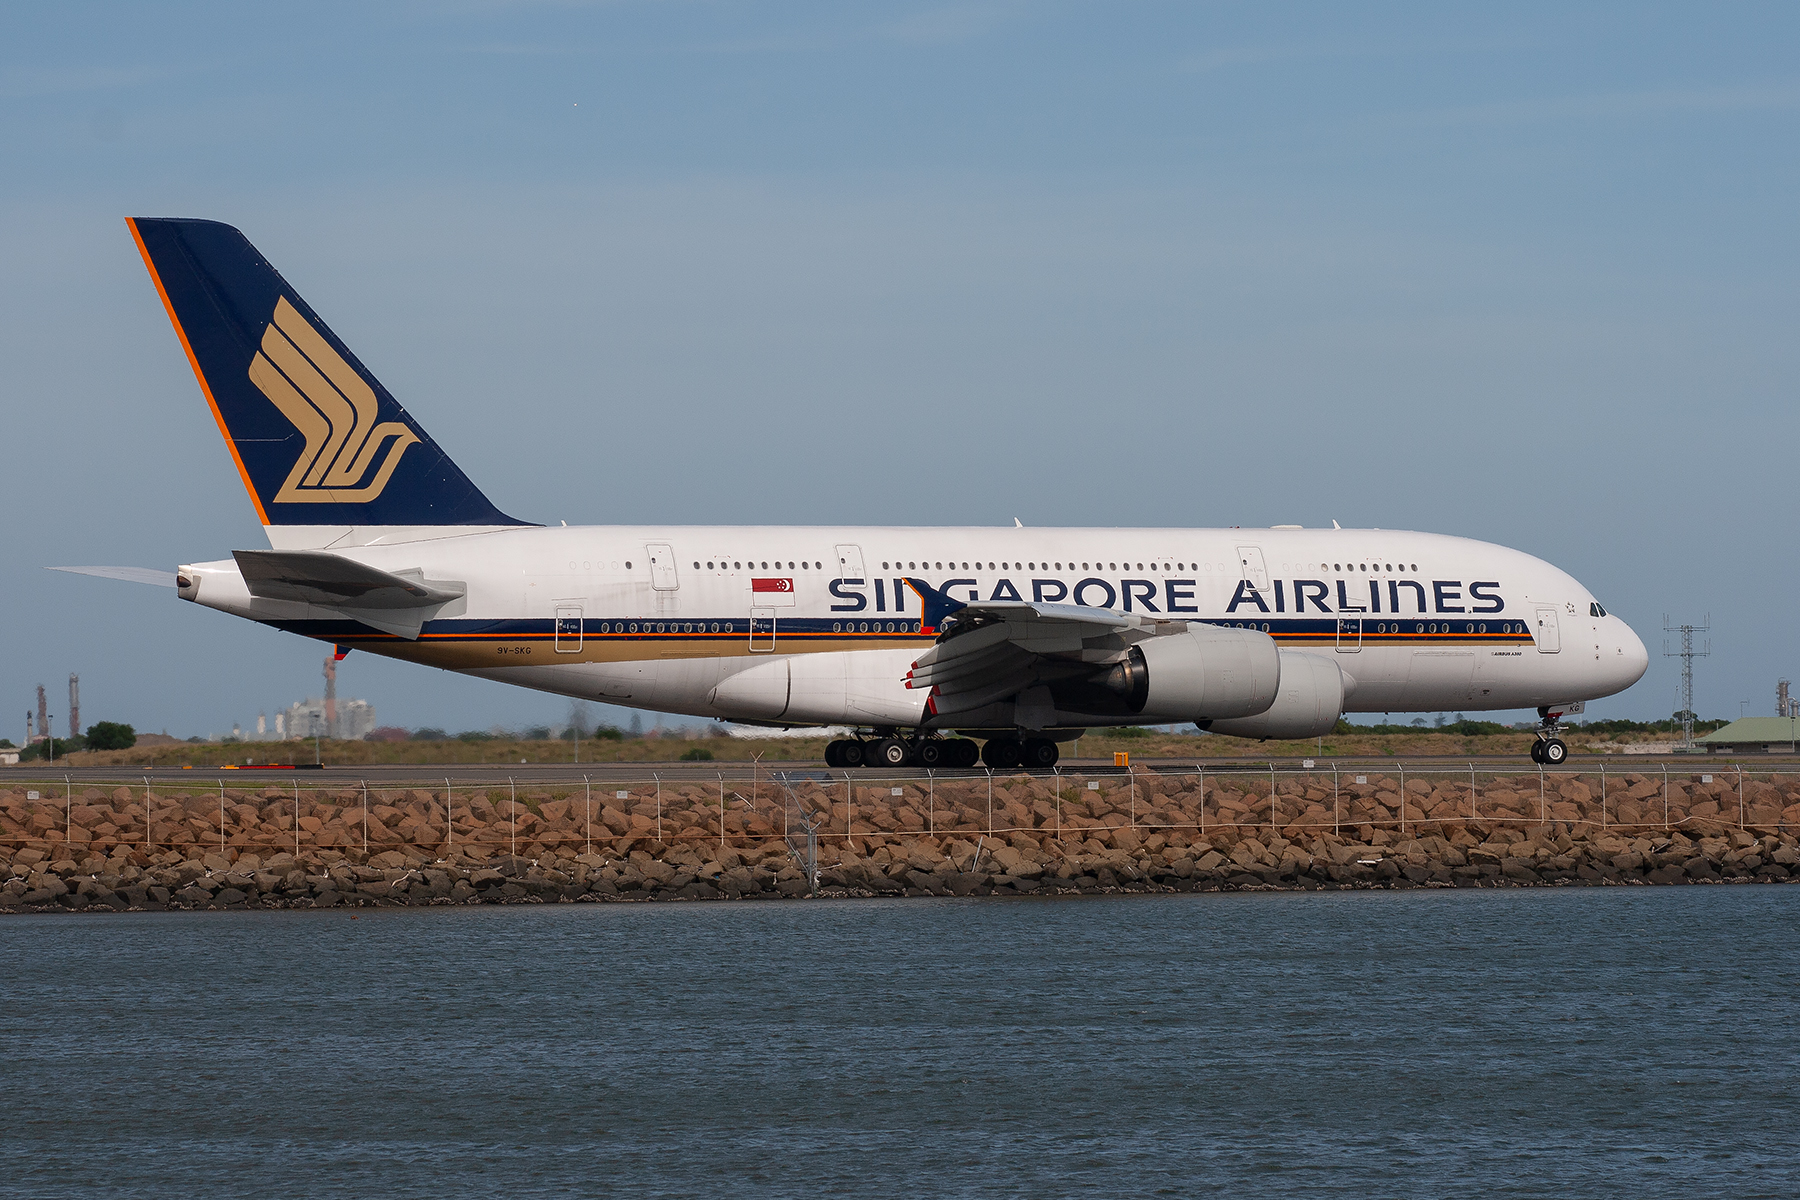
<point>1594,610</point>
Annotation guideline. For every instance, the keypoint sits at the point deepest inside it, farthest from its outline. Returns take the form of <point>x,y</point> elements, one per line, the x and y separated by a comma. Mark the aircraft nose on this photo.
<point>1633,659</point>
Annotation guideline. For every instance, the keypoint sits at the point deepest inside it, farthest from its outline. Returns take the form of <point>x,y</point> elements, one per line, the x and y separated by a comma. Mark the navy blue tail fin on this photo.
<point>316,437</point>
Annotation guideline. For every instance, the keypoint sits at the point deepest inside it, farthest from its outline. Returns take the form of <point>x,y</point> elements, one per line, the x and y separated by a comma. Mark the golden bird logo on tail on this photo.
<point>334,410</point>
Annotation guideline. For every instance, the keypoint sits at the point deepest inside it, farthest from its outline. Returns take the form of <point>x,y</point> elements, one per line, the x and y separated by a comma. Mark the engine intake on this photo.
<point>1206,673</point>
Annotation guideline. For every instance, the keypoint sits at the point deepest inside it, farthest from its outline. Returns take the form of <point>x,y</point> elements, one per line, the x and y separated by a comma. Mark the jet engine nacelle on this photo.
<point>1203,674</point>
<point>1308,703</point>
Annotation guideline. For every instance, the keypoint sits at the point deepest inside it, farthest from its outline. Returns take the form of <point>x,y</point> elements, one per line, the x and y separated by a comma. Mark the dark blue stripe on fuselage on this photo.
<point>737,629</point>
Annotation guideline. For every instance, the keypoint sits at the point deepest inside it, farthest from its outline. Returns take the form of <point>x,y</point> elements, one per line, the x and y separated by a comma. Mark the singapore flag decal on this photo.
<point>772,585</point>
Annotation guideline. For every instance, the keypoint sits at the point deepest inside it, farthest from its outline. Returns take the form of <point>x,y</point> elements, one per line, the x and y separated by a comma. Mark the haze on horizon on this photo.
<point>1520,275</point>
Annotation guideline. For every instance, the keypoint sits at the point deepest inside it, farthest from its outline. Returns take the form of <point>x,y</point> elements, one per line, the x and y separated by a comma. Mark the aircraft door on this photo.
<point>850,562</point>
<point>1250,566</point>
<point>762,630</point>
<point>662,566</point>
<point>1548,634</point>
<point>1349,635</point>
<point>568,628</point>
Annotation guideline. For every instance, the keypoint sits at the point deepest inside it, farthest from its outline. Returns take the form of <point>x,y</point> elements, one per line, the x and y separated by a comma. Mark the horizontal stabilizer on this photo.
<point>149,575</point>
<point>396,603</point>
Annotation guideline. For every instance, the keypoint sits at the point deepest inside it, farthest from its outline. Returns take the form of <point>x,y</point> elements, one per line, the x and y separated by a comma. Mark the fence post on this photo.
<point>221,817</point>
<point>1403,799</point>
<point>1665,768</point>
<point>1200,769</point>
<point>1740,771</point>
<point>512,816</point>
<point>849,804</point>
<point>1131,771</point>
<point>587,833</point>
<point>1335,830</point>
<point>930,806</point>
<point>1602,796</point>
<point>1541,812</point>
<point>990,775</point>
<point>296,818</point>
<point>1056,773</point>
<point>1473,814</point>
<point>149,843</point>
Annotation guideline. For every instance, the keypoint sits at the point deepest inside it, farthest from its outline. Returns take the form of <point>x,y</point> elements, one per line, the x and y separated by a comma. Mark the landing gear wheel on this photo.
<point>834,753</point>
<point>888,752</point>
<point>1537,752</point>
<point>1040,753</point>
<point>1555,752</point>
<point>852,753</point>
<point>967,753</point>
<point>1002,754</point>
<point>933,752</point>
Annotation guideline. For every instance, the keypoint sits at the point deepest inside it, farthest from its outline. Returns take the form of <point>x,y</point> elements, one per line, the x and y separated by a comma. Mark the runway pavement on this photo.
<point>564,774</point>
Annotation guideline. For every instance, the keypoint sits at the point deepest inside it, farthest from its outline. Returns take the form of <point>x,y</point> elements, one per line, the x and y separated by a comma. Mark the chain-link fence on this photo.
<point>851,809</point>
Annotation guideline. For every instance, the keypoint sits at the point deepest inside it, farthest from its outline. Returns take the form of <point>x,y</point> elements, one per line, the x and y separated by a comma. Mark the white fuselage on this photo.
<point>670,618</point>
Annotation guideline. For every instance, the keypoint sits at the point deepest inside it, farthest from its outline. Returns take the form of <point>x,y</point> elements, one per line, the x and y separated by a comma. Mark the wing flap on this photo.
<point>990,652</point>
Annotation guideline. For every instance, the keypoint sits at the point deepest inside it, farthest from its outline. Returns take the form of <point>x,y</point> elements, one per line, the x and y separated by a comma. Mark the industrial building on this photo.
<point>1753,735</point>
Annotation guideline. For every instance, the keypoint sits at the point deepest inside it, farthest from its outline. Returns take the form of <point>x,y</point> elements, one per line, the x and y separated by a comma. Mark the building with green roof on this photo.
<point>1753,735</point>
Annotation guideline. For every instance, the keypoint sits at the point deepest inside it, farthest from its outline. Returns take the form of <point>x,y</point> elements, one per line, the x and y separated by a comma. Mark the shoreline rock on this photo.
<point>168,849</point>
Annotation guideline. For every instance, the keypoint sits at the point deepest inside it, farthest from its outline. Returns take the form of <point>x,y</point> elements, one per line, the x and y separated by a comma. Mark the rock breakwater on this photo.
<point>159,847</point>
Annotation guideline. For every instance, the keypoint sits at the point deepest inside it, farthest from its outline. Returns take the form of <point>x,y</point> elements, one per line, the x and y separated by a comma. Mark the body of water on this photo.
<point>1567,1042</point>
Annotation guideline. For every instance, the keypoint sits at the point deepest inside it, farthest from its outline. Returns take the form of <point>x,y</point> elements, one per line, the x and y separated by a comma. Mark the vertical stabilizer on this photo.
<point>316,438</point>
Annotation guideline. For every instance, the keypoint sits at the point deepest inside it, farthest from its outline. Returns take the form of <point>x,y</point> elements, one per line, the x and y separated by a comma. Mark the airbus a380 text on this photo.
<point>923,639</point>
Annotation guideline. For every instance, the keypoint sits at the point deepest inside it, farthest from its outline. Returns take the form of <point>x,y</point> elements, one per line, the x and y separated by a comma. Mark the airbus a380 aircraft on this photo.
<point>923,638</point>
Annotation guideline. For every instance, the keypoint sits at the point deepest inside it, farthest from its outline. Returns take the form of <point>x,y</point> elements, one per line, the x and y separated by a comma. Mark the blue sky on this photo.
<point>1523,275</point>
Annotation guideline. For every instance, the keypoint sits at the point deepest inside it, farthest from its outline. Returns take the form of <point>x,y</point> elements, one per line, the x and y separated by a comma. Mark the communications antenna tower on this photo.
<point>1687,654</point>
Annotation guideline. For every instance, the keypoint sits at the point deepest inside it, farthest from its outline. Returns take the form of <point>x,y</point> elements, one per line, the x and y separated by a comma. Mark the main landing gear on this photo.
<point>896,751</point>
<point>1006,754</point>
<point>1001,753</point>
<point>1549,750</point>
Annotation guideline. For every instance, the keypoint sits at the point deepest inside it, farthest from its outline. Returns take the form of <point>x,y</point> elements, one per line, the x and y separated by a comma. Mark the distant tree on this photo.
<point>1419,721</point>
<point>110,735</point>
<point>474,735</point>
<point>6,744</point>
<point>51,748</point>
<point>609,733</point>
<point>428,733</point>
<point>697,754</point>
<point>637,725</point>
<point>537,733</point>
<point>387,733</point>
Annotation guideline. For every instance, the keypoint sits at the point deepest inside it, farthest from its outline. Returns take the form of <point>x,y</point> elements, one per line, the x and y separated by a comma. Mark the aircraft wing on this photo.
<point>396,603</point>
<point>989,651</point>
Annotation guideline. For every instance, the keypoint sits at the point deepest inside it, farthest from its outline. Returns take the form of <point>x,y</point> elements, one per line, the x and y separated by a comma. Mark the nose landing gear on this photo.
<point>1549,750</point>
